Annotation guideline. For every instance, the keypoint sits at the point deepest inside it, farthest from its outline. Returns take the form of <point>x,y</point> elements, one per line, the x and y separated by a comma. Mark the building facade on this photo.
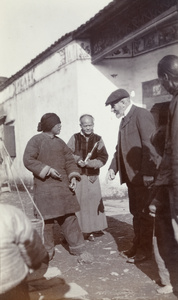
<point>118,48</point>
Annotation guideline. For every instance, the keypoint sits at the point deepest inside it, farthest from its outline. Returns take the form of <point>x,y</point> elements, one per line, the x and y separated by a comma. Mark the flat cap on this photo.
<point>116,96</point>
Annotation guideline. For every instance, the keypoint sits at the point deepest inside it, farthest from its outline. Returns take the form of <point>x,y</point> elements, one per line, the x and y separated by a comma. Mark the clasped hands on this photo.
<point>82,163</point>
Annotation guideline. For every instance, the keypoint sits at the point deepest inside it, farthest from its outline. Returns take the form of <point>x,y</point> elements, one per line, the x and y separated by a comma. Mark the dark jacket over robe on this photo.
<point>52,196</point>
<point>81,146</point>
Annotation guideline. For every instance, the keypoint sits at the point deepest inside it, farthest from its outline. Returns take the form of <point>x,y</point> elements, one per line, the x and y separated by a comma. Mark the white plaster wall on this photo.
<point>145,67</point>
<point>77,88</point>
<point>132,72</point>
<point>54,93</point>
<point>93,90</point>
<point>99,81</point>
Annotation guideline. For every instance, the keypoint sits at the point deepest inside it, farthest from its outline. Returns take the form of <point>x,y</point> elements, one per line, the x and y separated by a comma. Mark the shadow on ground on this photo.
<point>123,234</point>
<point>109,277</point>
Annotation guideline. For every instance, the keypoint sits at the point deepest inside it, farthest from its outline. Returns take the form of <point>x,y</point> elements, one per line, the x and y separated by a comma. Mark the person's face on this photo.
<point>166,82</point>
<point>87,125</point>
<point>56,129</point>
<point>118,108</point>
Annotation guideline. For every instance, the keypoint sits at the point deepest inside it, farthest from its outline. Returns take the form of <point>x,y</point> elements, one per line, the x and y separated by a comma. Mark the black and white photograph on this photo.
<point>89,150</point>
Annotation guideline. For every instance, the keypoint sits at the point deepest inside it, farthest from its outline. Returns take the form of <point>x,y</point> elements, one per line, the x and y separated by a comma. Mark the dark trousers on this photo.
<point>71,231</point>
<point>142,222</point>
<point>165,245</point>
<point>20,292</point>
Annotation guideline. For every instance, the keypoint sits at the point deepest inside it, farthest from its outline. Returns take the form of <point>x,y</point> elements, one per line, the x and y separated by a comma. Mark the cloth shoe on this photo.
<point>91,237</point>
<point>99,233</point>
<point>85,258</point>
<point>167,289</point>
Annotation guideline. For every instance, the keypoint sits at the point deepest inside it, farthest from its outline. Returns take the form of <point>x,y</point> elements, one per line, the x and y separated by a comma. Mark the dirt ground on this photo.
<point>109,277</point>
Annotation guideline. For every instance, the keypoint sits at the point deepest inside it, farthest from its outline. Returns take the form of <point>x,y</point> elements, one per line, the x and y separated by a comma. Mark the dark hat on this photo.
<point>116,96</point>
<point>48,121</point>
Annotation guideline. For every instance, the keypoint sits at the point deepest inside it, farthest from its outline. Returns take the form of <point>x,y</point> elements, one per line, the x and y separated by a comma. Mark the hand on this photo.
<point>158,162</point>
<point>73,184</point>
<point>88,163</point>
<point>152,210</point>
<point>81,163</point>
<point>55,174</point>
<point>148,180</point>
<point>110,175</point>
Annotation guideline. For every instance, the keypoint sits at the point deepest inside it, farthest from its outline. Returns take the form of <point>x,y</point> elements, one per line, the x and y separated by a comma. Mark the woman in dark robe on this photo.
<point>55,175</point>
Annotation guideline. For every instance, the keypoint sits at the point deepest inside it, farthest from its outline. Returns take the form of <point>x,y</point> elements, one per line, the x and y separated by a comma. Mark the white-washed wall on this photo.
<point>68,84</point>
<point>130,73</point>
<point>51,86</point>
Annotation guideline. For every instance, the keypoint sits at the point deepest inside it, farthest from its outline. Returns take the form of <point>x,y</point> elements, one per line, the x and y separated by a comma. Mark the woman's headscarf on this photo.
<point>48,121</point>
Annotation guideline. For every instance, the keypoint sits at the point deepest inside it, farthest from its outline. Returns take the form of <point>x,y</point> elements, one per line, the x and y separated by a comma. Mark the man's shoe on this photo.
<point>138,259</point>
<point>128,253</point>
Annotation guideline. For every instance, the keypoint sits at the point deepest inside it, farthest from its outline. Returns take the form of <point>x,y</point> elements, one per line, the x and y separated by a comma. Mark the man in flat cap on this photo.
<point>136,161</point>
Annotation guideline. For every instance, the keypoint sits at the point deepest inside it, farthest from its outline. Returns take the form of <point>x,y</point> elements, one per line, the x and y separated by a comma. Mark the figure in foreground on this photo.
<point>21,250</point>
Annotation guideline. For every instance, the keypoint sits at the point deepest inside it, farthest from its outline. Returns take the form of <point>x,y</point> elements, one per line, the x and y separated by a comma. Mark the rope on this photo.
<point>7,153</point>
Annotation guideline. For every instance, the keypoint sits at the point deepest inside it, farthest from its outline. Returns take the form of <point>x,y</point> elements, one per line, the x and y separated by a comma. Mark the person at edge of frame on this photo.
<point>164,204</point>
<point>21,253</point>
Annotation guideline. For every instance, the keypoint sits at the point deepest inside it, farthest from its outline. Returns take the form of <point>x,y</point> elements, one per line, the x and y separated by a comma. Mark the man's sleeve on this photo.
<point>174,156</point>
<point>71,145</point>
<point>114,162</point>
<point>150,158</point>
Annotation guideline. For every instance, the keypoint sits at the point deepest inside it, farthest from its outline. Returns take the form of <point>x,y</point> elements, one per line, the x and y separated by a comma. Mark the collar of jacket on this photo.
<point>87,137</point>
<point>127,118</point>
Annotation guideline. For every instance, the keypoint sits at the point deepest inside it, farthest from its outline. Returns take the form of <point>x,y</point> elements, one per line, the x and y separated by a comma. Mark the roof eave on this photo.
<point>62,42</point>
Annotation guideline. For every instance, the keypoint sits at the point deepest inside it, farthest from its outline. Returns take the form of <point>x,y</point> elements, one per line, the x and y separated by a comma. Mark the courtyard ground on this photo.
<point>109,277</point>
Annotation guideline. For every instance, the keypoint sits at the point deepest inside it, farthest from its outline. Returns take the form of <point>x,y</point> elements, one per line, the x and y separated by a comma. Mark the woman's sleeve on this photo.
<point>30,159</point>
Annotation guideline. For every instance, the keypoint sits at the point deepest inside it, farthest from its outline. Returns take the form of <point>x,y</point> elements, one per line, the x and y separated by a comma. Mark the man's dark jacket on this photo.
<point>135,156</point>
